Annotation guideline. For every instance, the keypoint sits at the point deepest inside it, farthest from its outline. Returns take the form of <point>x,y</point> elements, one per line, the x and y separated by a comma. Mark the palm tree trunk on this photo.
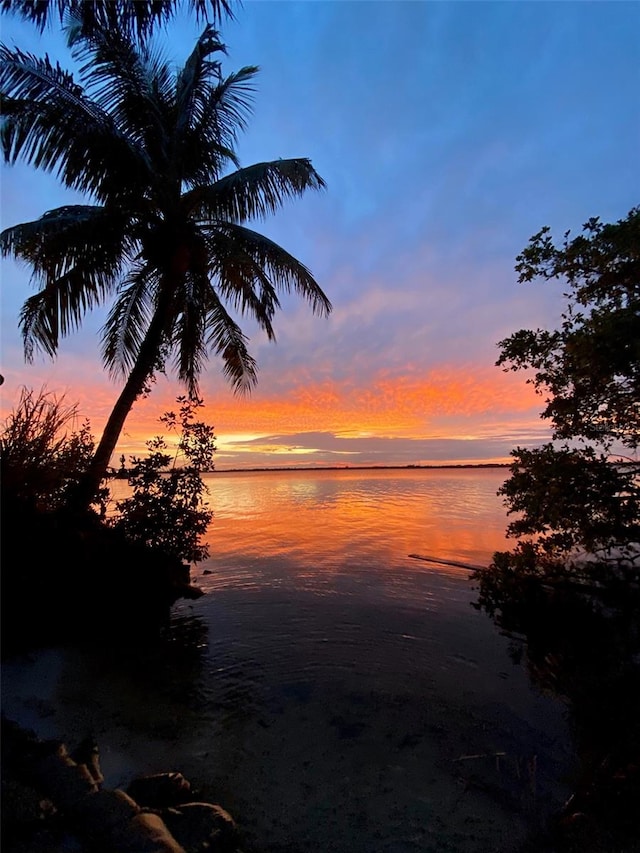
<point>82,497</point>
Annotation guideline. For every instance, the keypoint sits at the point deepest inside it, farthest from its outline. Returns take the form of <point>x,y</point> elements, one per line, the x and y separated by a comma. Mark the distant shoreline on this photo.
<point>361,468</point>
<point>121,473</point>
<point>449,466</point>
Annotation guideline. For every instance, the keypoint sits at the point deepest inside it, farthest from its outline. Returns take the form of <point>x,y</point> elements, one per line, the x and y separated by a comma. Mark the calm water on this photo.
<point>332,692</point>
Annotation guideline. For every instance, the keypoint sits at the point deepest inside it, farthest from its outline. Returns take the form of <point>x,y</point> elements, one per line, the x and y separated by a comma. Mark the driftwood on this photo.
<point>457,563</point>
<point>112,821</point>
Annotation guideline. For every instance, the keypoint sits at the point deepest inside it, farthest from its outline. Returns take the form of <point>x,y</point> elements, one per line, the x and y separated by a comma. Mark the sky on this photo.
<point>448,133</point>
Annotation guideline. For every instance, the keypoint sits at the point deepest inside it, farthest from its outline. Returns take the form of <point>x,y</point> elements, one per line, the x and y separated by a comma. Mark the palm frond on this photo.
<point>129,81</point>
<point>39,325</point>
<point>241,282</point>
<point>218,115</point>
<point>225,338</point>
<point>228,107</point>
<point>58,309</point>
<point>189,333</point>
<point>254,192</point>
<point>270,267</point>
<point>94,236</point>
<point>136,17</point>
<point>76,254</point>
<point>49,122</point>
<point>128,321</point>
<point>215,10</point>
<point>24,75</point>
<point>194,81</point>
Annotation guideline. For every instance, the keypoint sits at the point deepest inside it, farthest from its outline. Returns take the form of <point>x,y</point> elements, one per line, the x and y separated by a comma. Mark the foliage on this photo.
<point>576,499</point>
<point>569,591</point>
<point>165,236</point>
<point>590,367</point>
<point>69,577</point>
<point>167,509</point>
<point>42,458</point>
<point>41,455</point>
<point>136,17</point>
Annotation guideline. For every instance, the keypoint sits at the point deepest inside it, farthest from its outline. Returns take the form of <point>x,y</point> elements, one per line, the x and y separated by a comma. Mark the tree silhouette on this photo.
<point>166,238</point>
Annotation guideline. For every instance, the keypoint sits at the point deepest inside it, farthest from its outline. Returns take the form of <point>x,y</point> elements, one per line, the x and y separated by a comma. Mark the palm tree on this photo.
<point>166,236</point>
<point>139,17</point>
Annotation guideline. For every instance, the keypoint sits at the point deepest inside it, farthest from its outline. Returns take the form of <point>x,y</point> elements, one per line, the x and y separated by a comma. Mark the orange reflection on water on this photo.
<point>329,519</point>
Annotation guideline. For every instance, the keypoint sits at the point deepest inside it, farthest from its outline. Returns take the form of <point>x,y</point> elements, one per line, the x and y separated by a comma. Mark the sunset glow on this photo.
<point>450,415</point>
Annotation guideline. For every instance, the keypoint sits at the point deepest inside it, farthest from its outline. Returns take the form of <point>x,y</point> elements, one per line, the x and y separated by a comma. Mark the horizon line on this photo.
<point>114,472</point>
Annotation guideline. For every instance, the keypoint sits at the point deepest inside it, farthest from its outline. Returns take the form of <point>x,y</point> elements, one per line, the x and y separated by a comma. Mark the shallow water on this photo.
<point>331,691</point>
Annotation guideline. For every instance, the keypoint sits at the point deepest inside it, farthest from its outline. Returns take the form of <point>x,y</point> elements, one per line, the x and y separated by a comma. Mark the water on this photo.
<point>331,691</point>
<point>380,515</point>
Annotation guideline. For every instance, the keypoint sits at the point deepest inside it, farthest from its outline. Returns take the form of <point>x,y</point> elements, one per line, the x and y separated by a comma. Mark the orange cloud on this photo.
<point>404,405</point>
<point>449,401</point>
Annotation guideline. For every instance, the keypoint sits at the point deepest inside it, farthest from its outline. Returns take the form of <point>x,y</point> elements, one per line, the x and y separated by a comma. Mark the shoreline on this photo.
<point>363,467</point>
<point>298,468</point>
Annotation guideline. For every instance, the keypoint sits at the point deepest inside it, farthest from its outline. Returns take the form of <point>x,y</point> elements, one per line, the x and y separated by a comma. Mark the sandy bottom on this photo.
<point>340,724</point>
<point>347,771</point>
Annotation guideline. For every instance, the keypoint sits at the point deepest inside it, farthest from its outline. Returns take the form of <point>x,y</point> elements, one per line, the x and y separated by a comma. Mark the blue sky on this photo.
<point>447,133</point>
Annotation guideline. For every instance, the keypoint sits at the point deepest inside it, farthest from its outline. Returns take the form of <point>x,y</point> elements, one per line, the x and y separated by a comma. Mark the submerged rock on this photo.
<point>160,790</point>
<point>43,782</point>
<point>200,827</point>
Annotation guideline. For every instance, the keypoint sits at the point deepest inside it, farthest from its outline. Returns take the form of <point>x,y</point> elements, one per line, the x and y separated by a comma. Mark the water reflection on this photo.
<point>331,692</point>
<point>587,655</point>
<point>361,519</point>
